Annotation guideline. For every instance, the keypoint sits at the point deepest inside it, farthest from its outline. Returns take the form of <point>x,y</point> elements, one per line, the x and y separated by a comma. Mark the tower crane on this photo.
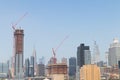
<point>14,25</point>
<point>54,50</point>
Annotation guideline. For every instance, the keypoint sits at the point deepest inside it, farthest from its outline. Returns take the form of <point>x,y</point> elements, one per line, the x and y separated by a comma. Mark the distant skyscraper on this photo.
<point>27,65</point>
<point>83,55</point>
<point>35,61</point>
<point>64,60</point>
<point>41,69</point>
<point>42,60</point>
<point>96,54</point>
<point>90,72</point>
<point>31,66</point>
<point>10,64</point>
<point>106,58</point>
<point>18,43</point>
<point>87,54</point>
<point>72,66</point>
<point>83,58</point>
<point>4,69</point>
<point>114,53</point>
<point>51,61</point>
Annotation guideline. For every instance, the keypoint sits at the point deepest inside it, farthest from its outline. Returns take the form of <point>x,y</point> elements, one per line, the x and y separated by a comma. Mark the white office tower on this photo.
<point>96,54</point>
<point>114,53</point>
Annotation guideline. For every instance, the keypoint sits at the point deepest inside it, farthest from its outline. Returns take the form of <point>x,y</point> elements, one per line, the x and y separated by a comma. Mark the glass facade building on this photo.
<point>72,66</point>
<point>83,55</point>
<point>4,70</point>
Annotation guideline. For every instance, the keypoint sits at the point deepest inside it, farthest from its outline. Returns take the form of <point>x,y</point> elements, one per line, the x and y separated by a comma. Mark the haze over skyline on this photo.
<point>48,22</point>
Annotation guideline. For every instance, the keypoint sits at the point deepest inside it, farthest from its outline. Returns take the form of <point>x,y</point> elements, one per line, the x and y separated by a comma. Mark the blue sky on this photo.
<point>49,21</point>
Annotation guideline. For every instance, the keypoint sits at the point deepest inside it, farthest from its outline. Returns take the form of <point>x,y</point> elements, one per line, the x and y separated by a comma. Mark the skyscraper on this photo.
<point>27,64</point>
<point>83,58</point>
<point>87,55</point>
<point>72,66</point>
<point>18,48</point>
<point>35,61</point>
<point>4,70</point>
<point>83,55</point>
<point>96,54</point>
<point>41,69</point>
<point>42,60</point>
<point>31,66</point>
<point>114,53</point>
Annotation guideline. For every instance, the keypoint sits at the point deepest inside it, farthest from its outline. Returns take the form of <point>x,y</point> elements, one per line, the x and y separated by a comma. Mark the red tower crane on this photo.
<point>54,51</point>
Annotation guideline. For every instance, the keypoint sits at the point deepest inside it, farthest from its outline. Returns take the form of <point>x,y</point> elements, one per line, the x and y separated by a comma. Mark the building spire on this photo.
<point>35,60</point>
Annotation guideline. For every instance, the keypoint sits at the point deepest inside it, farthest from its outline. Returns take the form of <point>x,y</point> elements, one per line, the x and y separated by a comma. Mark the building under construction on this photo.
<point>58,71</point>
<point>18,53</point>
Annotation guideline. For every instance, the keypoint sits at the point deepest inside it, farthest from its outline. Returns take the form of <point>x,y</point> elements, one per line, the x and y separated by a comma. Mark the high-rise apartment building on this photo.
<point>83,55</point>
<point>72,66</point>
<point>114,53</point>
<point>90,72</point>
<point>18,48</point>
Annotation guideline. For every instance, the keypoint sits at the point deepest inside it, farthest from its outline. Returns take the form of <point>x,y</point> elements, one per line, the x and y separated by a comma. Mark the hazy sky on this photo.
<point>49,21</point>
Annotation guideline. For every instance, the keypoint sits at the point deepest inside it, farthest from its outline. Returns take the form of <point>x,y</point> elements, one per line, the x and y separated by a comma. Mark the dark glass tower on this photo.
<point>27,64</point>
<point>72,66</point>
<point>81,54</point>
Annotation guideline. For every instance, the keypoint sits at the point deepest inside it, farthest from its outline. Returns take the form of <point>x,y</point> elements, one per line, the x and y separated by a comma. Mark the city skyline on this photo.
<point>48,22</point>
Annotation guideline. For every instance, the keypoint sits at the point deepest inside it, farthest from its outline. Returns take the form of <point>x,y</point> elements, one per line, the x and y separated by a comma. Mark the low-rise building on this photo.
<point>58,71</point>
